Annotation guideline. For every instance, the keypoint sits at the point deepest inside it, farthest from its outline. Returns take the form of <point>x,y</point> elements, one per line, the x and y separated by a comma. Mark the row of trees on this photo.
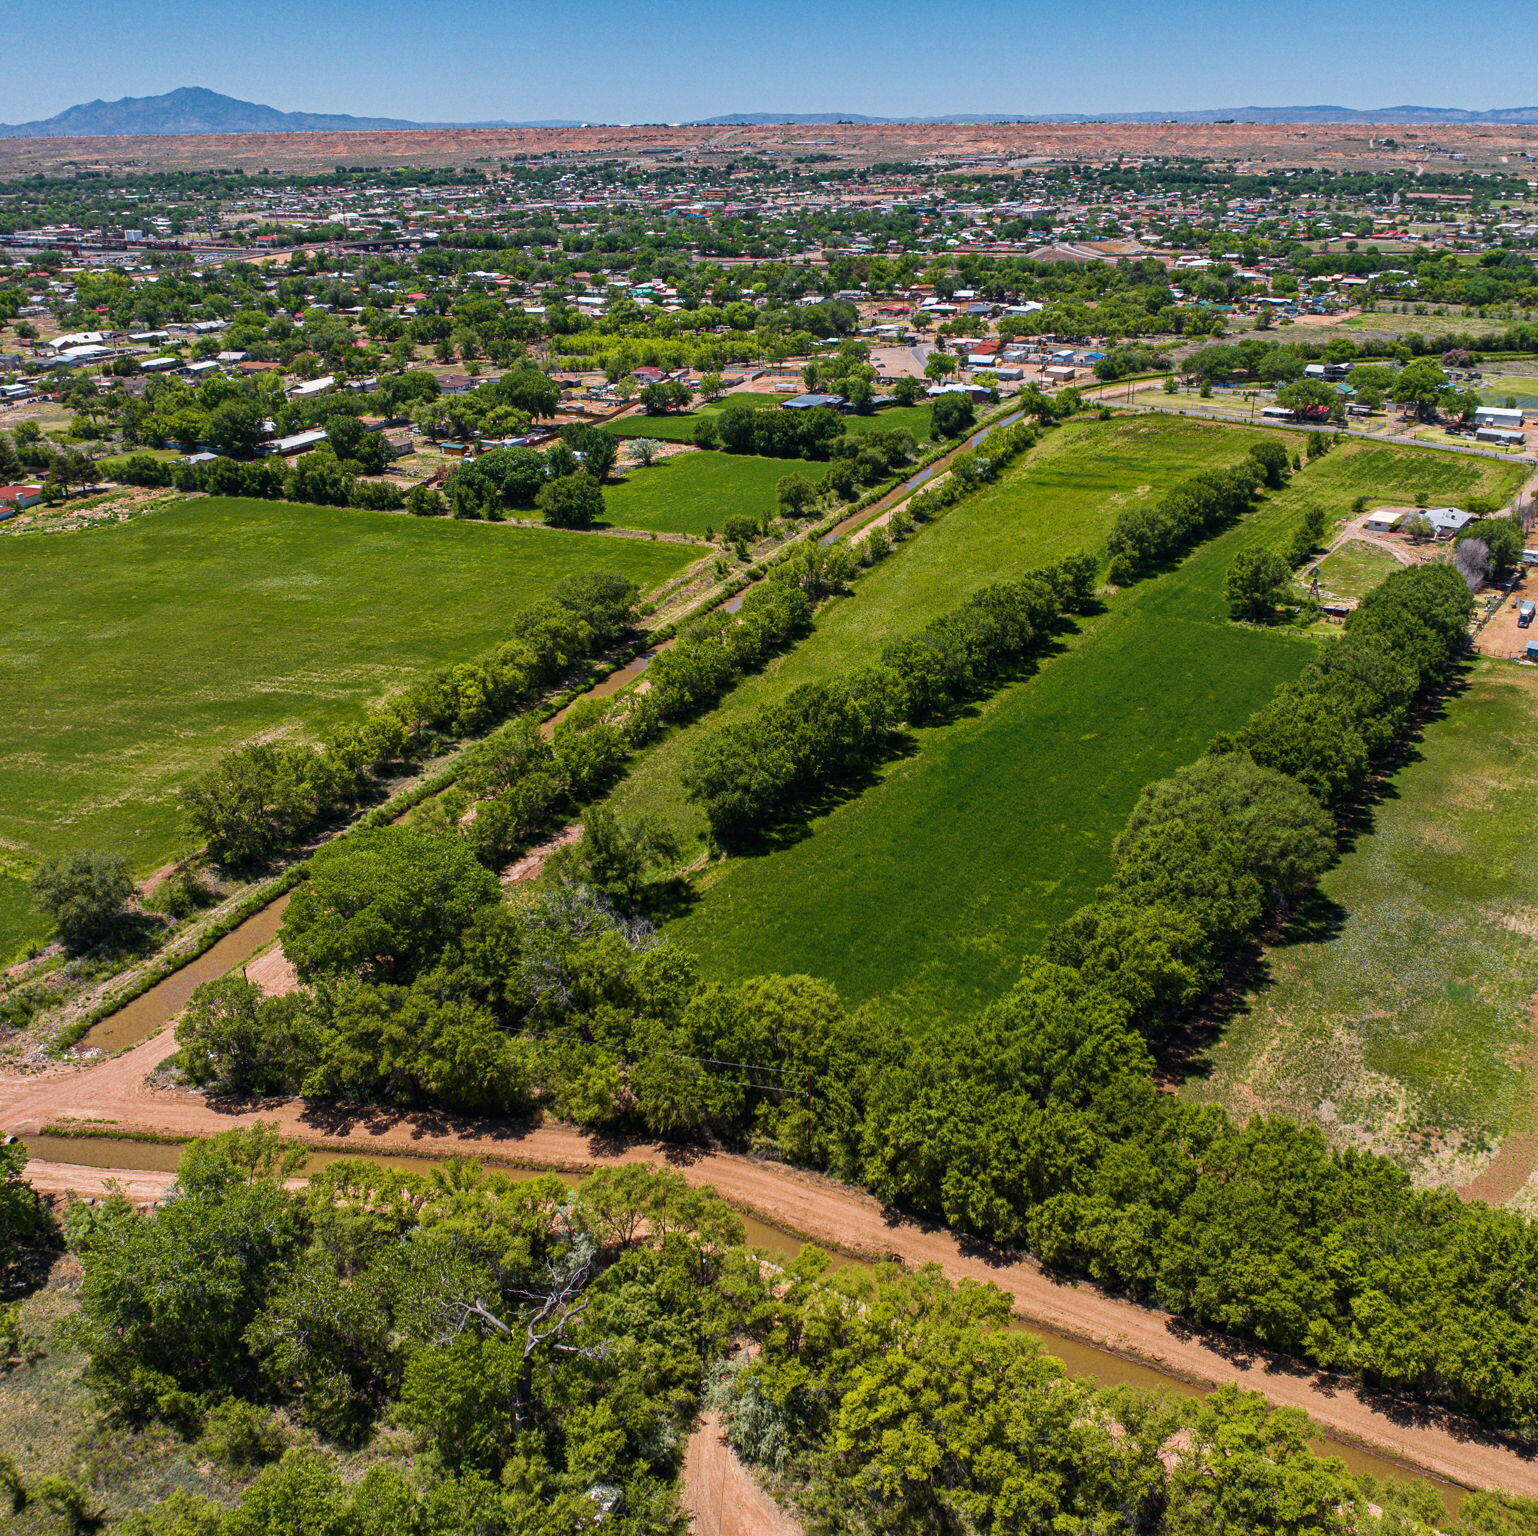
<point>890,1402</point>
<point>1037,1122</point>
<point>318,478</point>
<point>1144,538</point>
<point>823,734</point>
<point>547,1351</point>
<point>262,797</point>
<point>770,431</point>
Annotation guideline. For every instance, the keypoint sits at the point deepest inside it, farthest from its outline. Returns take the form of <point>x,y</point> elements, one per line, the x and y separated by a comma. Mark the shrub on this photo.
<point>85,894</point>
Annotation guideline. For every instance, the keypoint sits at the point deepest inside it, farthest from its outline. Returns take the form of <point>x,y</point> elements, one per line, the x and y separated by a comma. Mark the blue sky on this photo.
<point>666,60</point>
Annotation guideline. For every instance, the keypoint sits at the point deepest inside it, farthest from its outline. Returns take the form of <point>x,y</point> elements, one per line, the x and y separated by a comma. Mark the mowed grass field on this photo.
<point>131,654</point>
<point>1354,569</point>
<point>930,885</point>
<point>691,492</point>
<point>1390,475</point>
<point>1399,1014</point>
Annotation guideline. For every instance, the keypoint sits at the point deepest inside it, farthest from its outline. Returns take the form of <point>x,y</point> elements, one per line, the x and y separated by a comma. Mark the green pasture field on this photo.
<point>1355,568</point>
<point>132,653</point>
<point>956,826</point>
<point>930,885</point>
<point>1392,475</point>
<point>690,492</point>
<point>1496,388</point>
<point>1057,500</point>
<point>1397,1012</point>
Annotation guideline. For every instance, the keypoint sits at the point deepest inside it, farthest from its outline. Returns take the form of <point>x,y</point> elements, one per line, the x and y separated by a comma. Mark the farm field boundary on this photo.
<point>134,652</point>
<point>956,859</point>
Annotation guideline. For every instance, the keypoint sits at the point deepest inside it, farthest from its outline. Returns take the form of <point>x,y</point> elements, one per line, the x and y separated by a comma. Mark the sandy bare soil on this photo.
<point>720,1494</point>
<point>824,1212</point>
<point>1502,637</point>
<point>273,972</point>
<point>1516,1159</point>
<point>1363,144</point>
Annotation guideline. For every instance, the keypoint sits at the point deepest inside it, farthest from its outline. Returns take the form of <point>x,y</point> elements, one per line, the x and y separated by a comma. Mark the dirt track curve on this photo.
<point>825,1212</point>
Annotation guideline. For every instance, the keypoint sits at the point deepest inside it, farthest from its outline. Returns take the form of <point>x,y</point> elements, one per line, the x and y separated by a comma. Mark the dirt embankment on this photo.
<point>815,1208</point>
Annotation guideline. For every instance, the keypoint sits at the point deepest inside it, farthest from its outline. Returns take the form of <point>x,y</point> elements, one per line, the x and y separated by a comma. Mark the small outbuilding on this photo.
<point>812,402</point>
<point>1507,417</point>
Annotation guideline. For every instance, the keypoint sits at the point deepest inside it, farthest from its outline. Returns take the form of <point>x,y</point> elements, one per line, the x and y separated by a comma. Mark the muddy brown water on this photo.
<point>1101,1366</point>
<point>150,1012</point>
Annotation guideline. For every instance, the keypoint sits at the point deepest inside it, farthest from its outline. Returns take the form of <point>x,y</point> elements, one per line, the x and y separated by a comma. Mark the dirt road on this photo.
<point>830,1214</point>
<point>719,1492</point>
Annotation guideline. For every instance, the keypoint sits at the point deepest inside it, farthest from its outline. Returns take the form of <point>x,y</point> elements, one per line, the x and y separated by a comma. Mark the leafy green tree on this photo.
<point>1310,534</point>
<point>664,397</point>
<point>795,495</point>
<point>166,1298</point>
<point>597,447</point>
<point>1303,395</point>
<point>1153,957</point>
<point>1420,386</point>
<point>951,415</point>
<point>383,903</point>
<point>236,428</point>
<point>86,895</point>
<point>1285,837</point>
<point>1314,739</point>
<point>1249,1469</point>
<point>616,858</point>
<point>1503,539</point>
<point>1275,463</point>
<point>426,501</point>
<point>1256,585</point>
<point>25,1222</point>
<point>240,1435</point>
<point>571,501</point>
<point>233,1039</point>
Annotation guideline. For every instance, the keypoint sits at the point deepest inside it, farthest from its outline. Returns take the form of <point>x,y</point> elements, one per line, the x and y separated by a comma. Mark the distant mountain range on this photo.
<point>195,110</point>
